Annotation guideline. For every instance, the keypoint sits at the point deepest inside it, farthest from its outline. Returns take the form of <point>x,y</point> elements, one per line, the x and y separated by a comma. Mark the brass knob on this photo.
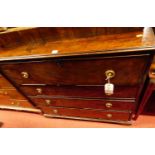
<point>25,75</point>
<point>109,115</point>
<point>108,105</point>
<point>109,87</point>
<point>13,103</point>
<point>39,90</point>
<point>110,73</point>
<point>48,102</point>
<point>55,111</point>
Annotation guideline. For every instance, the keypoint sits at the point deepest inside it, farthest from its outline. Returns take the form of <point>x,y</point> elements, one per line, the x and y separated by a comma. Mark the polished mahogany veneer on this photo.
<point>99,115</point>
<point>81,78</point>
<point>65,74</point>
<point>79,91</point>
<point>82,71</point>
<point>85,103</point>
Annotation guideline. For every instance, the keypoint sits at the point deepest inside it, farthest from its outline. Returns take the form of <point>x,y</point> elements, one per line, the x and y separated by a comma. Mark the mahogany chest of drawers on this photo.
<point>74,87</point>
<point>68,78</point>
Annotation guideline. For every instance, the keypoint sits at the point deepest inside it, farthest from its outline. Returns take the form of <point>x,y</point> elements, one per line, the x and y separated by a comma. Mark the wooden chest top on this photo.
<point>37,43</point>
<point>65,74</point>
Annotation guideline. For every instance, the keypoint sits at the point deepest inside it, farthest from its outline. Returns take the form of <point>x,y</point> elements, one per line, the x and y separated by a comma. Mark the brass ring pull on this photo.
<point>109,87</point>
<point>39,90</point>
<point>108,105</point>
<point>109,115</point>
<point>13,103</point>
<point>55,111</point>
<point>48,102</point>
<point>25,75</point>
<point>110,74</point>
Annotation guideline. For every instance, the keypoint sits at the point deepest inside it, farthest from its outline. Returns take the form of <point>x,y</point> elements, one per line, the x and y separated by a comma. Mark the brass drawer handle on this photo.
<point>25,75</point>
<point>109,115</point>
<point>110,74</point>
<point>108,105</point>
<point>55,111</point>
<point>39,90</point>
<point>109,87</point>
<point>48,102</point>
<point>13,103</point>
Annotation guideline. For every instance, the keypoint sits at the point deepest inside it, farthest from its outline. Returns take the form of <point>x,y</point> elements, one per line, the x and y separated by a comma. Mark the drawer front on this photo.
<point>79,91</point>
<point>10,94</point>
<point>128,71</point>
<point>85,103</point>
<point>83,113</point>
<point>4,83</point>
<point>16,103</point>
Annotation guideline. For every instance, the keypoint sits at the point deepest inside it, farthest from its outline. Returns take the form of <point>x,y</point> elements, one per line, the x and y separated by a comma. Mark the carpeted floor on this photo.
<point>14,119</point>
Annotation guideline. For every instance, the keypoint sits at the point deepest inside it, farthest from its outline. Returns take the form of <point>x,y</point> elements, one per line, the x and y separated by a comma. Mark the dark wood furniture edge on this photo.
<point>150,87</point>
<point>20,109</point>
<point>89,119</point>
<point>146,96</point>
<point>103,52</point>
<point>141,90</point>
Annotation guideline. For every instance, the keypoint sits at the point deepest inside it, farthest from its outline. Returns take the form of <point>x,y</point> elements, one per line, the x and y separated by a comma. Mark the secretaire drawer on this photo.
<point>83,113</point>
<point>80,91</point>
<point>128,70</point>
<point>85,103</point>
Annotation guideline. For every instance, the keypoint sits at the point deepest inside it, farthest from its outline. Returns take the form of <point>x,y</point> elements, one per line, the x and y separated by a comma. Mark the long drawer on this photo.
<point>85,103</point>
<point>85,113</point>
<point>79,91</point>
<point>80,71</point>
